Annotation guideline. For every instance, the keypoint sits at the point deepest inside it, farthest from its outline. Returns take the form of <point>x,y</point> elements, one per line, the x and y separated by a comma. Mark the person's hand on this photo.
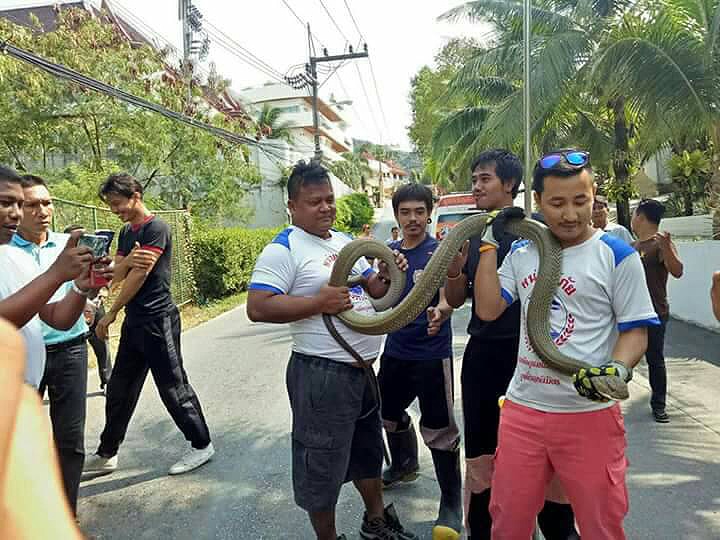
<point>333,300</point>
<point>142,259</point>
<point>400,261</point>
<point>73,261</point>
<point>436,318</point>
<point>603,383</point>
<point>663,240</point>
<point>102,268</point>
<point>102,330</point>
<point>458,263</point>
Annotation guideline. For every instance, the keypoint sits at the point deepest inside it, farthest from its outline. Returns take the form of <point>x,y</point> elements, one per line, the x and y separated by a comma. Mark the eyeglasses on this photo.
<point>576,159</point>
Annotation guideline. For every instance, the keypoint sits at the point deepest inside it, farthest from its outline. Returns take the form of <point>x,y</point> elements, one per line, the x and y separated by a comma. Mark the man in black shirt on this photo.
<point>150,335</point>
<point>491,352</point>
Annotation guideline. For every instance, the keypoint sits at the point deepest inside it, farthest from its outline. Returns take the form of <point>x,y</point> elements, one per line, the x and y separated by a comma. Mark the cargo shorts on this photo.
<point>336,429</point>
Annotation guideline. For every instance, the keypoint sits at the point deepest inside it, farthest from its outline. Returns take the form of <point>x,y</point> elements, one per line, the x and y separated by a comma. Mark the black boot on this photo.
<point>557,522</point>
<point>447,469</point>
<point>478,519</point>
<point>404,465</point>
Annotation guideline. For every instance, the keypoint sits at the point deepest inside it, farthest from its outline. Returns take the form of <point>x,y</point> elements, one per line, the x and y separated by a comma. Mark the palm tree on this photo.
<point>668,60</point>
<point>353,169</point>
<point>269,126</point>
<point>564,106</point>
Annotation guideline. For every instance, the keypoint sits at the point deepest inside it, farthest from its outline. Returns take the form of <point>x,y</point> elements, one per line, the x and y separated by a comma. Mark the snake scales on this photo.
<point>390,320</point>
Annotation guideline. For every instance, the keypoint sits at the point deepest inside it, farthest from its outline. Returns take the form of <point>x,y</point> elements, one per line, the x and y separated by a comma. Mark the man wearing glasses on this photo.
<point>551,423</point>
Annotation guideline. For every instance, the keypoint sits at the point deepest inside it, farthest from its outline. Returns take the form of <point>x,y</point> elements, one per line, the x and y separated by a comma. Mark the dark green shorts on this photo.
<point>336,433</point>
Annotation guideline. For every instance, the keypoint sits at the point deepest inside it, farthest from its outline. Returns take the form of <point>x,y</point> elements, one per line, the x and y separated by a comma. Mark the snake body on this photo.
<point>433,277</point>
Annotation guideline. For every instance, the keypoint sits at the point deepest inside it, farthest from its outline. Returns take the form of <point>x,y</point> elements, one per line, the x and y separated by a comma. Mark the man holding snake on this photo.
<point>491,354</point>
<point>553,423</point>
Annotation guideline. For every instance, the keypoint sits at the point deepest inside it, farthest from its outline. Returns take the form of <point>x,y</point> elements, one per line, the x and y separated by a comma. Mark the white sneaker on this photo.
<point>193,459</point>
<point>98,464</point>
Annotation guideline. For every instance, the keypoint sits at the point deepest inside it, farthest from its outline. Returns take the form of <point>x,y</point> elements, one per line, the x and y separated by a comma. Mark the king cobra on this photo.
<point>392,318</point>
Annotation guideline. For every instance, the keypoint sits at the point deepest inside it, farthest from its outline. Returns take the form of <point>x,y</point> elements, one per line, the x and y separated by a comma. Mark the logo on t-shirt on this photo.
<point>330,259</point>
<point>562,321</point>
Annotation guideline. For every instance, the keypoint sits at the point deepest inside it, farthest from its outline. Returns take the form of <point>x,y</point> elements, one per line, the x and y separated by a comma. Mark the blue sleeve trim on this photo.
<point>507,296</point>
<point>369,272</point>
<point>625,326</point>
<point>283,238</point>
<point>264,287</point>
<point>517,244</point>
<point>620,248</point>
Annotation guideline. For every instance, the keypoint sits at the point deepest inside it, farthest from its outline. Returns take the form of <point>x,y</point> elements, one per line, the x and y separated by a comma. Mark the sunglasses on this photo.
<point>576,159</point>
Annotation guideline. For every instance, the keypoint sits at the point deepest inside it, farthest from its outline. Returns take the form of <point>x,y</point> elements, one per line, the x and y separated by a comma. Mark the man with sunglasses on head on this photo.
<point>491,354</point>
<point>551,423</point>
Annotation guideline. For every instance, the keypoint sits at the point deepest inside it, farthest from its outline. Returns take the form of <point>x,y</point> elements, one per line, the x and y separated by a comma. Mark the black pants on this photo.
<point>431,381</point>
<point>65,379</point>
<point>101,349</point>
<point>655,357</point>
<point>154,346</point>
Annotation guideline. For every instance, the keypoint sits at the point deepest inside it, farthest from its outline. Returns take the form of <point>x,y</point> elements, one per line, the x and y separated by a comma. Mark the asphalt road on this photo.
<point>238,371</point>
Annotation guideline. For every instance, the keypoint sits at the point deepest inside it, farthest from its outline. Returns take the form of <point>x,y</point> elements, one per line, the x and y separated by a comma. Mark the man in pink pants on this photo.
<point>553,424</point>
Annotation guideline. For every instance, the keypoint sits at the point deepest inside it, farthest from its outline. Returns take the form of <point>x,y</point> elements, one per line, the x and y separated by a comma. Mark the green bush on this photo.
<point>224,259</point>
<point>353,211</point>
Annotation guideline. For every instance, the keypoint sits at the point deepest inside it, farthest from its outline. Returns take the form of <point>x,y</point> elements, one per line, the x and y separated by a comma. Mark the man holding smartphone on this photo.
<point>65,374</point>
<point>150,335</point>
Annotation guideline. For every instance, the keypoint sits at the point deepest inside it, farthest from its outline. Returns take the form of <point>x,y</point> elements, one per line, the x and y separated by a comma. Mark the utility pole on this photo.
<point>312,80</point>
<point>191,19</point>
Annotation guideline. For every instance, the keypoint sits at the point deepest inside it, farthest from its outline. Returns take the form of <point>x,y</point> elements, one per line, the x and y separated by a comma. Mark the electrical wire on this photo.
<point>67,74</point>
<point>334,21</point>
<point>367,100</point>
<point>377,94</point>
<point>362,38</point>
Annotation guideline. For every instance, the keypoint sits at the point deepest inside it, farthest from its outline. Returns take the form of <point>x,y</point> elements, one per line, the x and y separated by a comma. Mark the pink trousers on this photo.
<point>586,453</point>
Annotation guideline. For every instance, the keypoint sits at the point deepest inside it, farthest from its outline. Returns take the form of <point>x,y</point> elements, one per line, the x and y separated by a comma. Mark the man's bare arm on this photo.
<point>267,306</point>
<point>630,346</point>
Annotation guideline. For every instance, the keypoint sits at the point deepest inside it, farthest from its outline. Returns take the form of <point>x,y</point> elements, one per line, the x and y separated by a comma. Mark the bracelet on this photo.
<point>453,278</point>
<point>78,290</point>
<point>486,247</point>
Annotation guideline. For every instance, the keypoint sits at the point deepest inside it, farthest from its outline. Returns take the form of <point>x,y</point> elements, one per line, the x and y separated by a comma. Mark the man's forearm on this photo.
<point>456,290</point>
<point>65,313</point>
<point>132,284</point>
<point>282,308</point>
<point>672,262</point>
<point>630,346</point>
<point>489,303</point>
<point>22,306</point>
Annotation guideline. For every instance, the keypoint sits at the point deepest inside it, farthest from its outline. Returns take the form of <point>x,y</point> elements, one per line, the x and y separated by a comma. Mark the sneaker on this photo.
<point>98,464</point>
<point>385,528</point>
<point>193,459</point>
<point>661,417</point>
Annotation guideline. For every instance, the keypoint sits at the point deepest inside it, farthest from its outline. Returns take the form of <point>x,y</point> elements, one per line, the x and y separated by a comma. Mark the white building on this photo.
<point>296,109</point>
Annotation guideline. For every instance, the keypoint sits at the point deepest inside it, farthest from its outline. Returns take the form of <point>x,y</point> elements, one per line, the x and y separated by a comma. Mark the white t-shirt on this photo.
<point>299,264</point>
<point>619,231</point>
<point>602,291</point>
<point>17,269</point>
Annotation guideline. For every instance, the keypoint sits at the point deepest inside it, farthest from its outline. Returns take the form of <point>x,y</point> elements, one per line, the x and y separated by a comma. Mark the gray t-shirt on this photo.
<point>17,269</point>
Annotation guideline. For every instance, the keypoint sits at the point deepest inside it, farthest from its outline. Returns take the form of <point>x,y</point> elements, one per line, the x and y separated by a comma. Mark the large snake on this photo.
<point>433,277</point>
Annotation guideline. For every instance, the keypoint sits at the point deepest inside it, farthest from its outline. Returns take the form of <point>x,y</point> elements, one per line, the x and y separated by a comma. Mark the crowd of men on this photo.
<point>541,448</point>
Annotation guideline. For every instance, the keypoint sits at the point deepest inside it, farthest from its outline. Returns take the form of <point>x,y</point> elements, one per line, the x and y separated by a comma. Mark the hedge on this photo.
<point>353,211</point>
<point>224,259</point>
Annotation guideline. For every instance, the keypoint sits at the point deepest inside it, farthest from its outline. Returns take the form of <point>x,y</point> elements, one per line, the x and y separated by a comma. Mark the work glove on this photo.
<point>604,383</point>
<point>495,229</point>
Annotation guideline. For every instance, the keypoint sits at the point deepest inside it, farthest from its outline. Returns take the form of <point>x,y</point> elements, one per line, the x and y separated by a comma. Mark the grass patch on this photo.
<point>191,314</point>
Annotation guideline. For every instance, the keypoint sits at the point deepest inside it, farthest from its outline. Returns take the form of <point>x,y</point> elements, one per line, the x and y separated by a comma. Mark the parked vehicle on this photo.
<point>449,211</point>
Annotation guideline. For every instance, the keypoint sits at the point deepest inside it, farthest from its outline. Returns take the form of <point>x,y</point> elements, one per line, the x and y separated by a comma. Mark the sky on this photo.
<point>402,36</point>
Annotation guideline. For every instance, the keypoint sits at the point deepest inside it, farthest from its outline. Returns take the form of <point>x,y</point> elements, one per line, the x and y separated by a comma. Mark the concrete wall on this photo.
<point>690,295</point>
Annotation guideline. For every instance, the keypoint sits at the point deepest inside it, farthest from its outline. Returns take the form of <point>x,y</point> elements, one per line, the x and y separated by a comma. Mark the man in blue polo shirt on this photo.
<point>417,363</point>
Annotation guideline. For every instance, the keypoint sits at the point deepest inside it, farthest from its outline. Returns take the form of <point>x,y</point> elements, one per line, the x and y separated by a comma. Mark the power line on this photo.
<point>302,23</point>
<point>362,38</point>
<point>230,46</point>
<point>377,94</point>
<point>67,74</point>
<point>334,21</point>
<point>367,100</point>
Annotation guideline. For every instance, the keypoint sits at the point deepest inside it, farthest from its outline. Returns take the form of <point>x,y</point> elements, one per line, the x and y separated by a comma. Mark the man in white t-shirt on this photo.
<point>25,292</point>
<point>553,423</point>
<point>600,213</point>
<point>336,433</point>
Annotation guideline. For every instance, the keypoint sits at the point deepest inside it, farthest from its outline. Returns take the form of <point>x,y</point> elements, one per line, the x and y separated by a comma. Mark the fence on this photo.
<point>93,217</point>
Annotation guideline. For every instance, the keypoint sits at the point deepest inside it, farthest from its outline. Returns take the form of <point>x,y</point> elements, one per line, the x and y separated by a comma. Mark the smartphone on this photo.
<point>99,244</point>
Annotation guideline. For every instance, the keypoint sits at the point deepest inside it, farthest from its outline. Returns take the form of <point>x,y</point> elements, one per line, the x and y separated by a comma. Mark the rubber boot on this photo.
<point>447,470</point>
<point>404,465</point>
